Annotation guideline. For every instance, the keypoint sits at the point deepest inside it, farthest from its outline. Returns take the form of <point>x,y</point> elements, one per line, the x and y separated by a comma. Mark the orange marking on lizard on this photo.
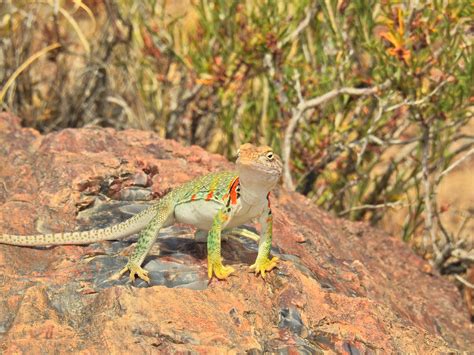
<point>193,197</point>
<point>233,191</point>
<point>209,195</point>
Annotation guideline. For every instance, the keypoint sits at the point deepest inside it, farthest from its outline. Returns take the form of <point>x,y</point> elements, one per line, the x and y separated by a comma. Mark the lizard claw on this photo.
<point>263,265</point>
<point>135,270</point>
<point>221,271</point>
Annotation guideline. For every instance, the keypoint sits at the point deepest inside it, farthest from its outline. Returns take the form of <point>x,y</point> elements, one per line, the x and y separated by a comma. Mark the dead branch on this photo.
<point>429,227</point>
<point>395,204</point>
<point>302,107</point>
<point>464,282</point>
<point>454,165</point>
<point>419,101</point>
<point>463,255</point>
<point>311,11</point>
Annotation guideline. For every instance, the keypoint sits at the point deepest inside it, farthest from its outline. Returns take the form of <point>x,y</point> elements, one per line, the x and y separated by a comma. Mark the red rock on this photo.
<point>341,286</point>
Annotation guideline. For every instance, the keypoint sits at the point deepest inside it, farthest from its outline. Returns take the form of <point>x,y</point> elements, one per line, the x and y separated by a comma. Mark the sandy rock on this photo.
<point>341,287</point>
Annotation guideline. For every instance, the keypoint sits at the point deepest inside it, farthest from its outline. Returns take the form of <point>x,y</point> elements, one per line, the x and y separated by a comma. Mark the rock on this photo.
<point>341,287</point>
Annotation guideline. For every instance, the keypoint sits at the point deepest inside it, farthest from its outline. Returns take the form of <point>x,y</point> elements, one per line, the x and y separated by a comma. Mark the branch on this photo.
<point>454,165</point>
<point>456,251</point>
<point>349,91</point>
<point>373,207</point>
<point>463,255</point>
<point>430,233</point>
<point>419,101</point>
<point>302,25</point>
<point>462,225</point>
<point>302,107</point>
<point>463,281</point>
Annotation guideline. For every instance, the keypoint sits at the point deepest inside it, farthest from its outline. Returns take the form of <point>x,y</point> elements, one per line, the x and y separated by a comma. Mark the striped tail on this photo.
<point>117,231</point>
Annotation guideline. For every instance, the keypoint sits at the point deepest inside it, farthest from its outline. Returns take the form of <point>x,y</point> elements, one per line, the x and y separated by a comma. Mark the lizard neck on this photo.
<point>255,186</point>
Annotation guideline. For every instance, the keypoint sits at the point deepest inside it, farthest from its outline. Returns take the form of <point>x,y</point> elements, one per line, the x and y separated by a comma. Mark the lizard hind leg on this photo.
<point>146,239</point>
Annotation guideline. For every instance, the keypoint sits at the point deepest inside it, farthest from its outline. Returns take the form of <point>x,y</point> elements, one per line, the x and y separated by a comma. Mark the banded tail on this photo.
<point>117,231</point>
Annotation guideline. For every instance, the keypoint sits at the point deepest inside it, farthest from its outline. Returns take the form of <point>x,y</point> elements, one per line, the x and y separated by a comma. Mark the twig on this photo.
<point>402,142</point>
<point>302,107</point>
<point>268,63</point>
<point>302,25</point>
<point>373,207</point>
<point>464,281</point>
<point>463,148</point>
<point>443,255</point>
<point>365,143</point>
<point>349,91</point>
<point>124,105</point>
<point>447,236</point>
<point>419,101</point>
<point>462,225</point>
<point>463,255</point>
<point>454,165</point>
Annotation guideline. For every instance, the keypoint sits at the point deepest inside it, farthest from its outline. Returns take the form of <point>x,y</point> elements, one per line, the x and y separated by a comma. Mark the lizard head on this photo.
<point>259,163</point>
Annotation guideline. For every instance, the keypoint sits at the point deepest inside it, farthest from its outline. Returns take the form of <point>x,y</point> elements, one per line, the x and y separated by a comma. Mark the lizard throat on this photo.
<point>255,186</point>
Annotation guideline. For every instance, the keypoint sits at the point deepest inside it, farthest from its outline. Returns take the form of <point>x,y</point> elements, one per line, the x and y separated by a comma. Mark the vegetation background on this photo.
<point>368,102</point>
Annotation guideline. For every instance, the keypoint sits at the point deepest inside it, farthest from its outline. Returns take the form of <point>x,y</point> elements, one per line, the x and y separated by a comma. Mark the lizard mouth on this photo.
<point>273,168</point>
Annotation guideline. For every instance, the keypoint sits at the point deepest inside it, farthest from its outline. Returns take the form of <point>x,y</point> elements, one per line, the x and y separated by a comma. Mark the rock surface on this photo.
<point>341,287</point>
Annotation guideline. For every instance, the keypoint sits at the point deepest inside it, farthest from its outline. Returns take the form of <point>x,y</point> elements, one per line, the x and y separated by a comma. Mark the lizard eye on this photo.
<point>270,155</point>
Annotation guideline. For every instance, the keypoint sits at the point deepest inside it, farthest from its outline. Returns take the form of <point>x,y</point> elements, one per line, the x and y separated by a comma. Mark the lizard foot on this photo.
<point>263,265</point>
<point>219,270</point>
<point>135,270</point>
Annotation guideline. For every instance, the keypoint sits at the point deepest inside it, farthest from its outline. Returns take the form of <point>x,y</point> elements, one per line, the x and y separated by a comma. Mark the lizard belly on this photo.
<point>199,213</point>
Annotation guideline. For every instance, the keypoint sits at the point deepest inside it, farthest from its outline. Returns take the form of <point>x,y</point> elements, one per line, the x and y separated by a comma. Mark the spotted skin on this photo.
<point>211,187</point>
<point>117,231</point>
<point>214,259</point>
<point>213,202</point>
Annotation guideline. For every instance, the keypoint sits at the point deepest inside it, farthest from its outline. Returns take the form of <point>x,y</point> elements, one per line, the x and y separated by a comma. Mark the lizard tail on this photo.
<point>117,231</point>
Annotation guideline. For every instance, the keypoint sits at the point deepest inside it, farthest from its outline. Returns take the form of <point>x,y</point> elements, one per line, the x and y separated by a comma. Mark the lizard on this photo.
<point>215,202</point>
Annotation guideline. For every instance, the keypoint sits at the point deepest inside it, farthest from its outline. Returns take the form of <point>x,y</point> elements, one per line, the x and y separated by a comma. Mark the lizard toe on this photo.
<point>263,265</point>
<point>221,271</point>
<point>135,271</point>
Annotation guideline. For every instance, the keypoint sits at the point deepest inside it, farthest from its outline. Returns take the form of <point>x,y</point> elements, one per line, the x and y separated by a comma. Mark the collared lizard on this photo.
<point>213,203</point>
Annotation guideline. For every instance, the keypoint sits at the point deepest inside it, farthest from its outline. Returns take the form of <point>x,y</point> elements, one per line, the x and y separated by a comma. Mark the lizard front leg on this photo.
<point>263,263</point>
<point>145,241</point>
<point>214,258</point>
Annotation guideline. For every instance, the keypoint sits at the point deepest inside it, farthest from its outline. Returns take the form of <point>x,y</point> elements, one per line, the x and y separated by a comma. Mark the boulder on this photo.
<point>341,286</point>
